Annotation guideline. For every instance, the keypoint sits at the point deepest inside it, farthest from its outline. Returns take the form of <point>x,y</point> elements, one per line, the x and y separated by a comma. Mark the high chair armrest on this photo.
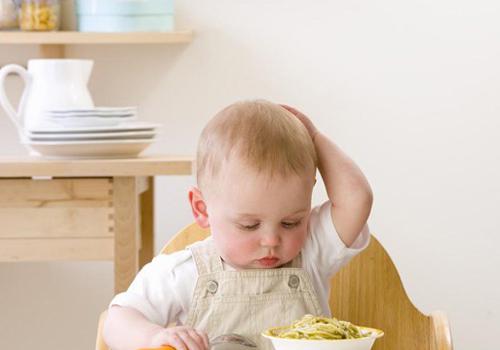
<point>100,344</point>
<point>440,331</point>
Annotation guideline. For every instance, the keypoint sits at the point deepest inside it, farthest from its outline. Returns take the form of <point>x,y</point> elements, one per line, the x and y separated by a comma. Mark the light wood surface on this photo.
<point>127,237</point>
<point>147,222</point>
<point>59,219</point>
<point>51,51</point>
<point>189,234</point>
<point>141,166</point>
<point>61,249</point>
<point>368,292</point>
<point>90,209</point>
<point>441,335</point>
<point>55,222</point>
<point>100,344</point>
<point>75,193</point>
<point>52,44</point>
<point>70,38</point>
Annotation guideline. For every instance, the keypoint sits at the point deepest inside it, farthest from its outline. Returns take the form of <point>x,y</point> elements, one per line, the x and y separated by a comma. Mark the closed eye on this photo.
<point>286,224</point>
<point>249,227</point>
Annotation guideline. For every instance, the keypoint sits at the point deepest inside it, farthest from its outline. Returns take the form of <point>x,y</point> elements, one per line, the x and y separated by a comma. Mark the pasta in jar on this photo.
<point>39,15</point>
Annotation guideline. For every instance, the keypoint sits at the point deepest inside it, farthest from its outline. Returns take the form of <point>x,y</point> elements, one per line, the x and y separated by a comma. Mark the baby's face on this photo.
<point>257,221</point>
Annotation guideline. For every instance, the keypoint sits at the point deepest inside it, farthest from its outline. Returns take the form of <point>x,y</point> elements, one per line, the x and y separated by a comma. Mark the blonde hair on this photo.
<point>267,137</point>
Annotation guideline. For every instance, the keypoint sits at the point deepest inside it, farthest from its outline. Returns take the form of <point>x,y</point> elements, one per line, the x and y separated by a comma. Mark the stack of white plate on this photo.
<point>97,133</point>
<point>103,116</point>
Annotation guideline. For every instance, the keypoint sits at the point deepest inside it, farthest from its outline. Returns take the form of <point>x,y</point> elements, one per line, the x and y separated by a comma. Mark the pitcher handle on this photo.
<point>15,116</point>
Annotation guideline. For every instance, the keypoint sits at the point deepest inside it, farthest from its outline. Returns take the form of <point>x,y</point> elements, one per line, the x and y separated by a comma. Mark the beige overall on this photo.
<point>247,302</point>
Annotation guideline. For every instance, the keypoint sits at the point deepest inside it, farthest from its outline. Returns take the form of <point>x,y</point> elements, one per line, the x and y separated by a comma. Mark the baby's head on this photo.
<point>256,167</point>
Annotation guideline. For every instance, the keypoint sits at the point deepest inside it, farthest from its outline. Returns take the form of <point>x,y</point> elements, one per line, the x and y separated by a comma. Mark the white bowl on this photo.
<point>364,343</point>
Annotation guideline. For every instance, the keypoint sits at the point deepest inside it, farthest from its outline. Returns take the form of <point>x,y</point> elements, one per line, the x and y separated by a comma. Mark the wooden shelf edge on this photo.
<point>12,167</point>
<point>79,38</point>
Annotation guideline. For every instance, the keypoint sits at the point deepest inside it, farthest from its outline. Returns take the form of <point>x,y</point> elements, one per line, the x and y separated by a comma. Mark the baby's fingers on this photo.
<point>204,336</point>
<point>289,108</point>
<point>200,337</point>
<point>177,342</point>
<point>190,341</point>
<point>303,118</point>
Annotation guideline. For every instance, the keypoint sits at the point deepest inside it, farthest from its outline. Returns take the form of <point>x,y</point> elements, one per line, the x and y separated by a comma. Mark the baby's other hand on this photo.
<point>181,338</point>
<point>304,119</point>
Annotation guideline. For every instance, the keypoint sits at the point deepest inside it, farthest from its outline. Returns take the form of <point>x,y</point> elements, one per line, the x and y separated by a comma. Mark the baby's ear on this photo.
<point>198,207</point>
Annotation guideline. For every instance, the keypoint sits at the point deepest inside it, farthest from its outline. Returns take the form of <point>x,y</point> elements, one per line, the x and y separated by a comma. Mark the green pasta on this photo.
<point>319,328</point>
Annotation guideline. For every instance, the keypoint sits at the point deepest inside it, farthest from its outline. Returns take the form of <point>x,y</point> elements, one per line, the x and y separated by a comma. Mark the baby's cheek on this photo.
<point>237,249</point>
<point>296,243</point>
<point>242,247</point>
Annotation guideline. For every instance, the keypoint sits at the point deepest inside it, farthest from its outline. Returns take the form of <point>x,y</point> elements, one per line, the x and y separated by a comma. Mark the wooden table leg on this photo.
<point>126,254</point>
<point>147,224</point>
<point>51,51</point>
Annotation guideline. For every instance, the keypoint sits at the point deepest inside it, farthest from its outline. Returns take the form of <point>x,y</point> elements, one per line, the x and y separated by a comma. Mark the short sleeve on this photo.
<point>324,253</point>
<point>324,247</point>
<point>159,289</point>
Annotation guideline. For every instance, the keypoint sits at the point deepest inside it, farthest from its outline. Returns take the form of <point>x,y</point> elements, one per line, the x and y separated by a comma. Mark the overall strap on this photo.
<point>206,258</point>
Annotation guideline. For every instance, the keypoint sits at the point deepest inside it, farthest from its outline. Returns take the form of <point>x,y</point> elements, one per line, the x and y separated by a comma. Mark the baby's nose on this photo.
<point>270,239</point>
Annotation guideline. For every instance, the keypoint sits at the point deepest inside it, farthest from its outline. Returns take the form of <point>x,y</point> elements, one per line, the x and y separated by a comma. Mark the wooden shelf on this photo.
<point>69,38</point>
<point>141,166</point>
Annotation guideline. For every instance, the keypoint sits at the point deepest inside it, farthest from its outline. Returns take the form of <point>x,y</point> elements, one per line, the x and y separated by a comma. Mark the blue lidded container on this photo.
<point>125,15</point>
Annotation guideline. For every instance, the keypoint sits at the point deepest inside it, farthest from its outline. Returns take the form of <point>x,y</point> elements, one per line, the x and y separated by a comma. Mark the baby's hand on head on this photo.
<point>304,119</point>
<point>181,338</point>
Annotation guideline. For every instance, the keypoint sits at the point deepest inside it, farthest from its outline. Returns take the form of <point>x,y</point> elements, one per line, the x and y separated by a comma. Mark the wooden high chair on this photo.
<point>367,292</point>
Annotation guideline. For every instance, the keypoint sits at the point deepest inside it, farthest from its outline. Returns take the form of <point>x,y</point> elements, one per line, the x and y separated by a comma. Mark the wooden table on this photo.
<point>94,209</point>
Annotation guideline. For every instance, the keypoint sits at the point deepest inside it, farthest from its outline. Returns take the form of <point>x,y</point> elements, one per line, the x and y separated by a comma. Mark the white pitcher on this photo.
<point>49,84</point>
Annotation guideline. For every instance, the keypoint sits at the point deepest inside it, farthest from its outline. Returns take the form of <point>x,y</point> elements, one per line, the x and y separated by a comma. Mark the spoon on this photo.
<point>231,338</point>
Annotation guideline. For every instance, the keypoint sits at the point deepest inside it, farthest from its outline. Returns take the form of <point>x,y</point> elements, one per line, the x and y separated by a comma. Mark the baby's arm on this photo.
<point>127,329</point>
<point>347,187</point>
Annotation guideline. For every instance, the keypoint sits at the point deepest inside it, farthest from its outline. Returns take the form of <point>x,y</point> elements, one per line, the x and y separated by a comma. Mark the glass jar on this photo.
<point>8,14</point>
<point>40,15</point>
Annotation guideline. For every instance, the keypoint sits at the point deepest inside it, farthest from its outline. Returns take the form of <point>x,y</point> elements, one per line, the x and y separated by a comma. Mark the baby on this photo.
<point>270,257</point>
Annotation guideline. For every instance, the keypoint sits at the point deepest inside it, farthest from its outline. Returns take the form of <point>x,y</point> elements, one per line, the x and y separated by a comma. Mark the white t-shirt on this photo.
<point>162,291</point>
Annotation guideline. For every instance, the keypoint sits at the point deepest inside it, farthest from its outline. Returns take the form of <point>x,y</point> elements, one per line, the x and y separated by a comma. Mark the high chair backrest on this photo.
<point>367,292</point>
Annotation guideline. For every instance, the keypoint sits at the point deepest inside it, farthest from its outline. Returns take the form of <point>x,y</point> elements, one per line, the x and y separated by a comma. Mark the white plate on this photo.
<point>93,136</point>
<point>90,149</point>
<point>88,115</point>
<point>89,121</point>
<point>98,110</point>
<point>135,126</point>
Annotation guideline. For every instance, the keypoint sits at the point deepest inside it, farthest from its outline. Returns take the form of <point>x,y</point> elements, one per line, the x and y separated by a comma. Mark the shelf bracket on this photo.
<point>51,51</point>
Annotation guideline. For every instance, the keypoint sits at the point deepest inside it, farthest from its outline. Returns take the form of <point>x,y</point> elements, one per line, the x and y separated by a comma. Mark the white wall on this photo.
<point>408,88</point>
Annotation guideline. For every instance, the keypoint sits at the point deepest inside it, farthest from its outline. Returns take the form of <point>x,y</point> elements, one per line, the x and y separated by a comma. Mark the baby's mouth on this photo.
<point>269,261</point>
